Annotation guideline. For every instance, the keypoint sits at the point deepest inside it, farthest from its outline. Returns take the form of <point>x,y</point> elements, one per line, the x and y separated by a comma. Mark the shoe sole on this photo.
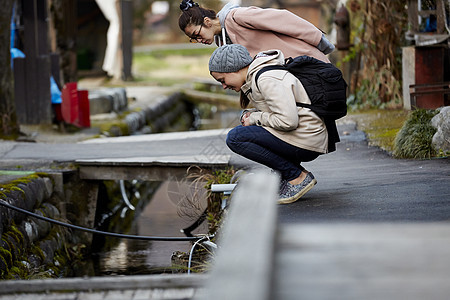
<point>299,194</point>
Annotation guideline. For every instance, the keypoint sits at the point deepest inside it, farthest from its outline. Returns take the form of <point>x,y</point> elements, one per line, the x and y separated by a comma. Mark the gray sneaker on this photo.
<point>291,193</point>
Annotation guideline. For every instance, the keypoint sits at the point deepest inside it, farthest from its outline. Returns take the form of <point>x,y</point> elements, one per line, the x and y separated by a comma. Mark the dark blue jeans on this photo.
<point>257,144</point>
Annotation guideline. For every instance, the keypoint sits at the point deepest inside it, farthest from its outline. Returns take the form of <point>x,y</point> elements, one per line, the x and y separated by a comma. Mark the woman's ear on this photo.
<point>207,22</point>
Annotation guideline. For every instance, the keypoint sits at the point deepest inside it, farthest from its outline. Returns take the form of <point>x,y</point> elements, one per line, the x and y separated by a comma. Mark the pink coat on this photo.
<point>261,29</point>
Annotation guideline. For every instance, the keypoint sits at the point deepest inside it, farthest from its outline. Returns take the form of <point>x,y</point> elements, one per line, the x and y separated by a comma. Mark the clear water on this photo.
<point>161,217</point>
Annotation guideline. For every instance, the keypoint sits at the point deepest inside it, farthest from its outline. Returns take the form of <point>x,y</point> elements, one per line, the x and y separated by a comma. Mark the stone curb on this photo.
<point>107,100</point>
<point>104,283</point>
<point>159,115</point>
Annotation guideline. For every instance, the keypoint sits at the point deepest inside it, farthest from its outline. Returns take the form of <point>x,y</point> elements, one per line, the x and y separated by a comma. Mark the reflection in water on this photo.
<point>159,217</point>
<point>116,258</point>
<point>221,119</point>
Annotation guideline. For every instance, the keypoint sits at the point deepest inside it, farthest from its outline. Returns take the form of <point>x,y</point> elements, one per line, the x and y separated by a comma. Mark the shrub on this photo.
<point>414,138</point>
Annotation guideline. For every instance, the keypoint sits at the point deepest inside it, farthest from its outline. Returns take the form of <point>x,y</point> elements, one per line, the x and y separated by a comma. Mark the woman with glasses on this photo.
<point>257,29</point>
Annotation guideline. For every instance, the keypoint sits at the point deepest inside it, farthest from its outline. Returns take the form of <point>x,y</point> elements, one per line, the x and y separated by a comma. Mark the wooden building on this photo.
<point>426,64</point>
<point>57,37</point>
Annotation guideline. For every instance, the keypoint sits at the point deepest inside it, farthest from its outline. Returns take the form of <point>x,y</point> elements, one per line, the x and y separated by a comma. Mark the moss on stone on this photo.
<point>3,268</point>
<point>18,259</point>
<point>6,257</point>
<point>14,245</point>
<point>15,232</point>
<point>38,252</point>
<point>18,271</point>
<point>7,188</point>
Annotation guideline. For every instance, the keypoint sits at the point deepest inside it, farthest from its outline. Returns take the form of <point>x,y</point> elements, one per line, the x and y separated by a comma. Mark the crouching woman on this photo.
<point>275,132</point>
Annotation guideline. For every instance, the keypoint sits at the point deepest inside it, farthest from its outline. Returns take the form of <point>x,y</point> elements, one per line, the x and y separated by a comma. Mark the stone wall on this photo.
<point>167,113</point>
<point>34,248</point>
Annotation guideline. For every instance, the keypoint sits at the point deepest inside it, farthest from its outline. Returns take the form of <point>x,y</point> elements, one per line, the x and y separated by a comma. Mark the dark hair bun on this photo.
<point>186,4</point>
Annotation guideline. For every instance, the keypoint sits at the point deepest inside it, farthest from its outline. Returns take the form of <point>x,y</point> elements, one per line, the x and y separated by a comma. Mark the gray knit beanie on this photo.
<point>229,59</point>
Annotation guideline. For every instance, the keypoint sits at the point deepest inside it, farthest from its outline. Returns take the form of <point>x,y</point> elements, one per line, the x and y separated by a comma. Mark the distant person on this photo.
<point>275,133</point>
<point>257,29</point>
<point>112,63</point>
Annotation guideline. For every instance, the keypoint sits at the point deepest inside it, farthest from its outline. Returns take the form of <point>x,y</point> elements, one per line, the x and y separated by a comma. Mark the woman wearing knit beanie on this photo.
<point>257,29</point>
<point>275,133</point>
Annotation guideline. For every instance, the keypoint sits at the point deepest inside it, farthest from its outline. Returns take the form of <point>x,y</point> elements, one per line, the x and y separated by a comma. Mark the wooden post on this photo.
<point>413,16</point>
<point>127,38</point>
<point>36,105</point>
<point>440,17</point>
<point>64,17</point>
<point>19,91</point>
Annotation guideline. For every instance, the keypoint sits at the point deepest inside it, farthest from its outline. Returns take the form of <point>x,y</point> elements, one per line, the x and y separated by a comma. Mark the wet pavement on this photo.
<point>358,185</point>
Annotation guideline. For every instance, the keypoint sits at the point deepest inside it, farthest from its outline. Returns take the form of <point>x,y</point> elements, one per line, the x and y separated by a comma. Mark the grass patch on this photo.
<point>148,62</point>
<point>381,126</point>
<point>163,53</point>
<point>158,81</point>
<point>168,67</point>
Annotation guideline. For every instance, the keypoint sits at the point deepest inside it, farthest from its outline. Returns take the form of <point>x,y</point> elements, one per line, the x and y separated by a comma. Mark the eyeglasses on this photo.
<point>195,37</point>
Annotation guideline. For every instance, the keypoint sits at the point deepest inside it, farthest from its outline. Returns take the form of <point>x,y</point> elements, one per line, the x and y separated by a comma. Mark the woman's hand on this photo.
<point>245,118</point>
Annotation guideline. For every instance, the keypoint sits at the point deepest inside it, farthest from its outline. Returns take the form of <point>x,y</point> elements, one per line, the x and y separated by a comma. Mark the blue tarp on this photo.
<point>56,93</point>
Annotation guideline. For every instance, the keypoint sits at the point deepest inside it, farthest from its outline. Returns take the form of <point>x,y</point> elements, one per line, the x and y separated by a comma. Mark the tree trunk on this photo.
<point>9,128</point>
<point>64,16</point>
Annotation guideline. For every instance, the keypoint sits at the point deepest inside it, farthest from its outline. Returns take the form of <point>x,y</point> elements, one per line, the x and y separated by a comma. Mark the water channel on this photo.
<point>157,214</point>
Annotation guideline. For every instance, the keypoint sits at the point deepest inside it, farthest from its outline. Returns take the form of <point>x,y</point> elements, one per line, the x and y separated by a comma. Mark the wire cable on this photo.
<point>124,195</point>
<point>112,234</point>
<point>192,252</point>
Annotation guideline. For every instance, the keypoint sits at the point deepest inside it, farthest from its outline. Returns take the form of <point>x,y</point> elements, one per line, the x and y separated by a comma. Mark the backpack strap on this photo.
<point>277,67</point>
<point>268,68</point>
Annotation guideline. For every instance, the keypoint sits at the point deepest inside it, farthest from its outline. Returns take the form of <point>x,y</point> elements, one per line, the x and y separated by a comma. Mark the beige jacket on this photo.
<point>274,100</point>
<point>259,29</point>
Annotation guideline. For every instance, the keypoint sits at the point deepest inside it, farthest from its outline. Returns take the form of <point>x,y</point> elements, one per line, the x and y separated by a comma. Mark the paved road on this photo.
<point>357,183</point>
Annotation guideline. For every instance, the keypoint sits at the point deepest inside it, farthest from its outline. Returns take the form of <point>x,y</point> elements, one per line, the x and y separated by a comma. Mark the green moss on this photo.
<point>5,241</point>
<point>6,256</point>
<point>17,234</point>
<point>7,188</point>
<point>15,240</point>
<point>12,261</point>
<point>380,126</point>
<point>3,268</point>
<point>18,271</point>
<point>114,128</point>
<point>38,252</point>
<point>11,137</point>
<point>14,245</point>
<point>60,259</point>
